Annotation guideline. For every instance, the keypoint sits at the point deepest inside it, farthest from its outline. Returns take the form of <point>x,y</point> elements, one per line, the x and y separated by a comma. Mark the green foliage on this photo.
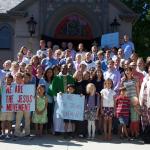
<point>141,29</point>
<point>148,15</point>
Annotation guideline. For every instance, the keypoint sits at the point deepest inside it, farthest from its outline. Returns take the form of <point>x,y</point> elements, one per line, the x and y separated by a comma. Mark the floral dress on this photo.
<point>91,111</point>
<point>145,116</point>
<point>40,105</point>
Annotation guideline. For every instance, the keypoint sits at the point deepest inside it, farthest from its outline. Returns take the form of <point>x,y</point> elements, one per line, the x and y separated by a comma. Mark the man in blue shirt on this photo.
<point>107,57</point>
<point>49,61</point>
<point>128,47</point>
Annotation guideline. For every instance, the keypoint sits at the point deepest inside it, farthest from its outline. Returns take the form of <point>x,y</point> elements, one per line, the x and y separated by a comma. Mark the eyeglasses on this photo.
<point>133,65</point>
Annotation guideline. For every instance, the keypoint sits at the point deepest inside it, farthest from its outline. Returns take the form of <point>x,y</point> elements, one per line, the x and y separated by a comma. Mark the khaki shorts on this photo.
<point>7,116</point>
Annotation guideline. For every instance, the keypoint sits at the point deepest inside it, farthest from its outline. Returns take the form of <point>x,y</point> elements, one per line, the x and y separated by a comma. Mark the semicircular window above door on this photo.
<point>73,26</point>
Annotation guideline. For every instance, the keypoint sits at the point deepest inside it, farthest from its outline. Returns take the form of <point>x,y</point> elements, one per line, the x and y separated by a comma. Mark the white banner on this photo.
<point>17,97</point>
<point>70,106</point>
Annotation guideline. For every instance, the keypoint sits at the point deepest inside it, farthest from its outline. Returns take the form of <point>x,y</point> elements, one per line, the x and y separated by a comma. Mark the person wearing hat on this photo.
<point>70,90</point>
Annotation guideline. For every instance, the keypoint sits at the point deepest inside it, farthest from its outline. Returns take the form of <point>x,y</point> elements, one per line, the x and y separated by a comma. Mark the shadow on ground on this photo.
<point>51,141</point>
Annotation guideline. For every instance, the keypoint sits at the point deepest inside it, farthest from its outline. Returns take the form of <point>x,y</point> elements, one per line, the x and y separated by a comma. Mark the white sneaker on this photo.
<point>89,138</point>
<point>7,136</point>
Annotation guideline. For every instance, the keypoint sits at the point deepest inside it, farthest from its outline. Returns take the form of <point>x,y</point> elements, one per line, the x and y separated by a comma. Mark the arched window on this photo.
<point>5,37</point>
<point>74,26</point>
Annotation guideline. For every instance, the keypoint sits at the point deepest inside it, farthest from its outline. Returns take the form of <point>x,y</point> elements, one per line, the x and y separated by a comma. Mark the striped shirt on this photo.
<point>122,106</point>
<point>130,85</point>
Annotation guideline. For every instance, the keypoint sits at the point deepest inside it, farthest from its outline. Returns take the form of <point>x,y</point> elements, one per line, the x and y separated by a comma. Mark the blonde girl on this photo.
<point>91,109</point>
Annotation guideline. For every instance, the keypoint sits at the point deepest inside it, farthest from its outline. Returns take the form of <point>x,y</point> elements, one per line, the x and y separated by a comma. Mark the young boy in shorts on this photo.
<point>122,107</point>
<point>7,117</point>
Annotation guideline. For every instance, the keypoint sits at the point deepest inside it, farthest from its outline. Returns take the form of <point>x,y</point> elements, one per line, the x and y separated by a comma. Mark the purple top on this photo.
<point>90,102</point>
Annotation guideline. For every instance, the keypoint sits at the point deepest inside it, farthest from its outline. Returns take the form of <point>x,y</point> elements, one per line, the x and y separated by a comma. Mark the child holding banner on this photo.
<point>19,80</point>
<point>91,109</point>
<point>7,117</point>
<point>70,90</point>
<point>40,114</point>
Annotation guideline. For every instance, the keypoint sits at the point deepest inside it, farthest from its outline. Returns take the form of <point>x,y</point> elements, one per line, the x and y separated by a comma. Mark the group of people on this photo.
<point>114,81</point>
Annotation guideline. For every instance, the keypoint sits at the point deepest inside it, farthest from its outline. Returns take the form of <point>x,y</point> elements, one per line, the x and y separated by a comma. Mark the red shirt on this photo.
<point>122,106</point>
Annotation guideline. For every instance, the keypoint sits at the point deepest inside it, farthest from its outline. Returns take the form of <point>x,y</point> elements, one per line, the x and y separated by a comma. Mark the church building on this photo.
<point>59,20</point>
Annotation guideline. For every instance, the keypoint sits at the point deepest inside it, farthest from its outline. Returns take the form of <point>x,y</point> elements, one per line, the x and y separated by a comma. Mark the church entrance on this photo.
<point>73,28</point>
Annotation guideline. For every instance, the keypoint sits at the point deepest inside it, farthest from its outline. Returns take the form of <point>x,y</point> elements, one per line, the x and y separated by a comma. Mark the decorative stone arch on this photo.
<point>74,26</point>
<point>52,22</point>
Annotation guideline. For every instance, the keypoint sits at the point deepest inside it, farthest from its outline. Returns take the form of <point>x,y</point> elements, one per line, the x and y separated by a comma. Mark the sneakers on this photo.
<point>2,136</point>
<point>81,136</point>
<point>8,137</point>
<point>91,138</point>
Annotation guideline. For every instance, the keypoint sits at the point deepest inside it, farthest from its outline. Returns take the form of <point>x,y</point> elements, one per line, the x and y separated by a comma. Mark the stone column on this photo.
<point>42,15</point>
<point>105,15</point>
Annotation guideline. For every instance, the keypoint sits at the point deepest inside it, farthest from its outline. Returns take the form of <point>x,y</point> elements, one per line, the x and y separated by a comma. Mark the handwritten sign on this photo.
<point>18,98</point>
<point>70,106</point>
<point>110,40</point>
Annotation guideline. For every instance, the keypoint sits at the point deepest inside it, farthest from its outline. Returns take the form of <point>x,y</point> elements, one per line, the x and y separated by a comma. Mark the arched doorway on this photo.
<point>73,27</point>
<point>72,23</point>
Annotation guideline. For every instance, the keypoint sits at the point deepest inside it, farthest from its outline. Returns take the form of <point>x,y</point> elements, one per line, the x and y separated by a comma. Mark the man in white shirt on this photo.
<point>88,61</point>
<point>42,50</point>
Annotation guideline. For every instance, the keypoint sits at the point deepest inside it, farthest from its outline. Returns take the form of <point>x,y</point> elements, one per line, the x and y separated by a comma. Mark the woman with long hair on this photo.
<point>47,80</point>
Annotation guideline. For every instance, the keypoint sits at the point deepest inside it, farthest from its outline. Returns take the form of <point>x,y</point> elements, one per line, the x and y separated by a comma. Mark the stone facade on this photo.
<point>49,13</point>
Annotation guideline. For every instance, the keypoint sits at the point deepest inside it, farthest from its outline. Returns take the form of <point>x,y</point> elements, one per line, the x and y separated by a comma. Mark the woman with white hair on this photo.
<point>77,61</point>
<point>7,66</point>
<point>141,66</point>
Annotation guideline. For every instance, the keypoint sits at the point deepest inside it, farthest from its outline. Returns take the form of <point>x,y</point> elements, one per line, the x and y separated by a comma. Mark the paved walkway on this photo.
<point>58,143</point>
